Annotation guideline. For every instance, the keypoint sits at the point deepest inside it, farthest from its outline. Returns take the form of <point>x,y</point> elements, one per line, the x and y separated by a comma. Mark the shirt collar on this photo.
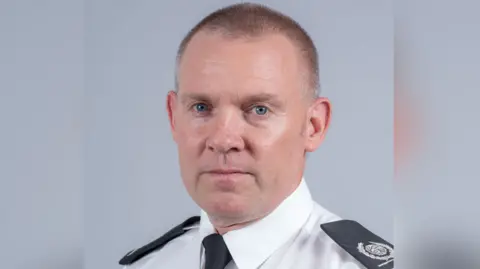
<point>253,244</point>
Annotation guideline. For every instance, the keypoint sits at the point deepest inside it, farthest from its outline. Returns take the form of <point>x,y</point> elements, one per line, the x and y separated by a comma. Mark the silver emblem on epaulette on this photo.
<point>377,251</point>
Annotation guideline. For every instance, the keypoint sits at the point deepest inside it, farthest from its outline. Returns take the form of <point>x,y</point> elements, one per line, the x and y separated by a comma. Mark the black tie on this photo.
<point>217,255</point>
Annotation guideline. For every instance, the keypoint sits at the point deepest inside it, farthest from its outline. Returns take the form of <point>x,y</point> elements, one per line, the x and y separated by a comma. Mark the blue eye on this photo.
<point>261,110</point>
<point>200,107</point>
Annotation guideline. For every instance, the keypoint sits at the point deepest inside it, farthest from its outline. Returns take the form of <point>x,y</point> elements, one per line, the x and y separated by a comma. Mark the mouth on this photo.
<point>227,179</point>
<point>226,172</point>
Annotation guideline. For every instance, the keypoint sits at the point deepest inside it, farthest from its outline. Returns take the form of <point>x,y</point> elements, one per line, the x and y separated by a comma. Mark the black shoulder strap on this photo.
<point>368,248</point>
<point>177,231</point>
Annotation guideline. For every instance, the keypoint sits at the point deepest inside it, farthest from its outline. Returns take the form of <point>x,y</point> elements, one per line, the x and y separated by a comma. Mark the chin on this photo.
<point>227,206</point>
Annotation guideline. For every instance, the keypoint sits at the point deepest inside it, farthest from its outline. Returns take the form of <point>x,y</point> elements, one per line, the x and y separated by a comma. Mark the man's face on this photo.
<point>242,123</point>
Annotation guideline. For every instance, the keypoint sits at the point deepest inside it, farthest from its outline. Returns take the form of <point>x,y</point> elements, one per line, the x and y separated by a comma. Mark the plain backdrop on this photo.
<point>41,134</point>
<point>88,167</point>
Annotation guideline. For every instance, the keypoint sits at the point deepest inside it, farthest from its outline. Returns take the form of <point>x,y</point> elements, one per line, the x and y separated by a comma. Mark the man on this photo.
<point>244,115</point>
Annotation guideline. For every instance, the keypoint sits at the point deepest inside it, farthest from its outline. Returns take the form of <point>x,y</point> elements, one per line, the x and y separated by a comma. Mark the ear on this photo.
<point>171,106</point>
<point>318,122</point>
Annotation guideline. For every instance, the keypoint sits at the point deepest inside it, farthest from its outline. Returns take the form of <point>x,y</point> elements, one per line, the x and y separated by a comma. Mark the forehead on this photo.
<point>214,63</point>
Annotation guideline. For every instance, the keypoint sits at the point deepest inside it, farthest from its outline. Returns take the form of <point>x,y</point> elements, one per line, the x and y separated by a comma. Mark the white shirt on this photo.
<point>289,237</point>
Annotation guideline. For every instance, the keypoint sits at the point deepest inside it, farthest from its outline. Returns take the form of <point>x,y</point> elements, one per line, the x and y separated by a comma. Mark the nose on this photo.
<point>226,134</point>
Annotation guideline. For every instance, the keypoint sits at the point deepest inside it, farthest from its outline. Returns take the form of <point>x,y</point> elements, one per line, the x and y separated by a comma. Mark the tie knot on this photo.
<point>217,255</point>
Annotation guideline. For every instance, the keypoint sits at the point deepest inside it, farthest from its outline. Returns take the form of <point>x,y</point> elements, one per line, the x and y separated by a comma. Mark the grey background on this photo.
<point>88,167</point>
<point>133,189</point>
<point>437,63</point>
<point>41,134</point>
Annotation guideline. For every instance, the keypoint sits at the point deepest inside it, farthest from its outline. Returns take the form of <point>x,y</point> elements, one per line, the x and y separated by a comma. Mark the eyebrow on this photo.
<point>253,98</point>
<point>187,97</point>
<point>263,97</point>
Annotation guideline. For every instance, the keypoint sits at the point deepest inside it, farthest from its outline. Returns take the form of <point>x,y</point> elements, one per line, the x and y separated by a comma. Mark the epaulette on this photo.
<point>177,231</point>
<point>368,248</point>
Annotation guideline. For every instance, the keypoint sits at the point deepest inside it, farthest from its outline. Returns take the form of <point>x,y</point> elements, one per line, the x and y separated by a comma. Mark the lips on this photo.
<point>226,180</point>
<point>226,171</point>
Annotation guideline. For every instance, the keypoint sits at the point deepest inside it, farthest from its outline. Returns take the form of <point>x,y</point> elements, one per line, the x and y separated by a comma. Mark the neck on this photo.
<point>224,225</point>
<point>221,230</point>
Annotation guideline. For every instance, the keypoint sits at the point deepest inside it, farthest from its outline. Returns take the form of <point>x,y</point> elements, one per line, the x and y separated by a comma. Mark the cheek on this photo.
<point>278,152</point>
<point>276,139</point>
<point>191,134</point>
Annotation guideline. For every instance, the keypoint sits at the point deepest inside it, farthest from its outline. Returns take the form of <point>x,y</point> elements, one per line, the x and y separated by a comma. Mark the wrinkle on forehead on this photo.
<point>213,66</point>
